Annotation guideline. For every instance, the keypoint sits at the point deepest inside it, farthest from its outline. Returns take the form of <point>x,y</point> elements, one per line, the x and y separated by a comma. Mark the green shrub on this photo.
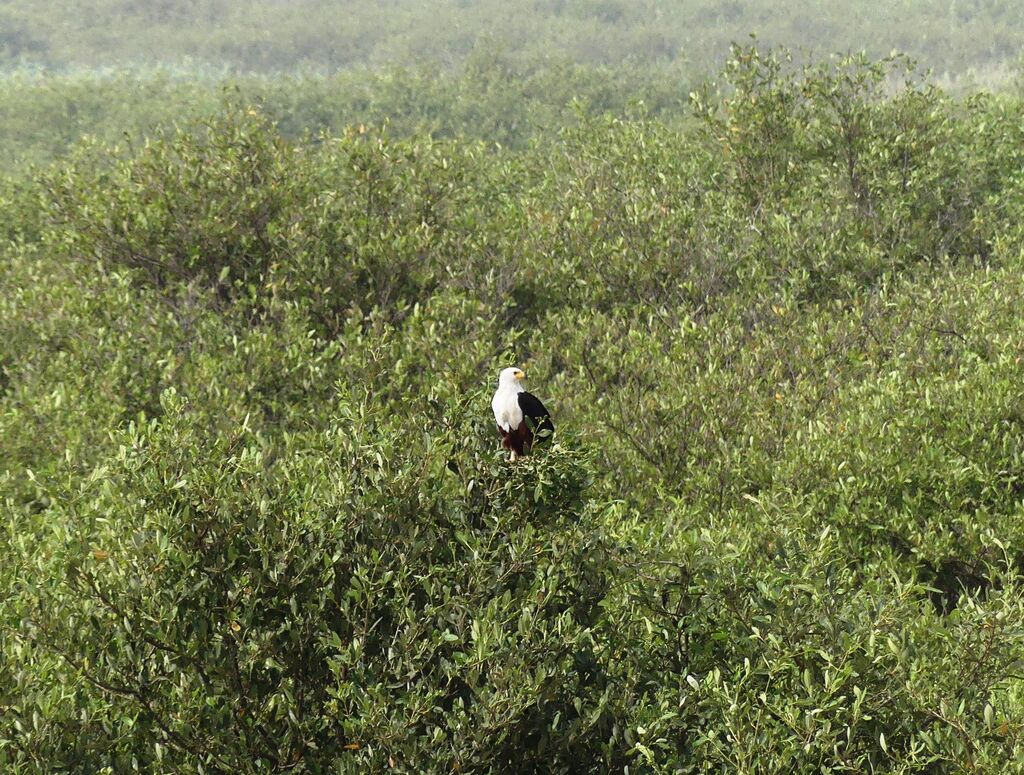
<point>256,515</point>
<point>339,600</point>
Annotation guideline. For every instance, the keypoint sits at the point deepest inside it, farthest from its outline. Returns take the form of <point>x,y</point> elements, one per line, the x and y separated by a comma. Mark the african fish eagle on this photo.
<point>519,415</point>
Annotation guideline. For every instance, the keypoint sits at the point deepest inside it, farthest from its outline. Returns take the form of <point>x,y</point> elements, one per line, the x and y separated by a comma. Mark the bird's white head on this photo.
<point>510,377</point>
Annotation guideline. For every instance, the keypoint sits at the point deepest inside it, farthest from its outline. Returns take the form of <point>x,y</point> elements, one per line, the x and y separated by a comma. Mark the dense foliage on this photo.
<point>255,513</point>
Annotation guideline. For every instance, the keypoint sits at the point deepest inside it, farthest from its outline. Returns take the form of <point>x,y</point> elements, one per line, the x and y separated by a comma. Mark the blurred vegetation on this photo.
<point>43,115</point>
<point>256,516</point>
<point>506,73</point>
<point>951,36</point>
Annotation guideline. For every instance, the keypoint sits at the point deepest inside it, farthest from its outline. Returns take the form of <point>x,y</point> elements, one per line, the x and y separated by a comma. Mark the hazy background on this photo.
<point>977,39</point>
<point>508,72</point>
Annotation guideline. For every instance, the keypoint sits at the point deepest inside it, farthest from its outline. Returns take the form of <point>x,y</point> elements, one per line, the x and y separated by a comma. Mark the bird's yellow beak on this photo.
<point>520,374</point>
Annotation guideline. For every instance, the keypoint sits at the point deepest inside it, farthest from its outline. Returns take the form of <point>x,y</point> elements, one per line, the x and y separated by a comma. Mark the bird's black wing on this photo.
<point>538,416</point>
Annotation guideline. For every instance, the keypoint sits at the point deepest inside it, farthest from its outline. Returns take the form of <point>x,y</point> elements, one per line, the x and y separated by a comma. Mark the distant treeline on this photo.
<point>42,116</point>
<point>267,35</point>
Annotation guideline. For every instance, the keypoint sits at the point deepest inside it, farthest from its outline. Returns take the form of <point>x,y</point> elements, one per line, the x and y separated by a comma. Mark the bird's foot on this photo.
<point>512,457</point>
